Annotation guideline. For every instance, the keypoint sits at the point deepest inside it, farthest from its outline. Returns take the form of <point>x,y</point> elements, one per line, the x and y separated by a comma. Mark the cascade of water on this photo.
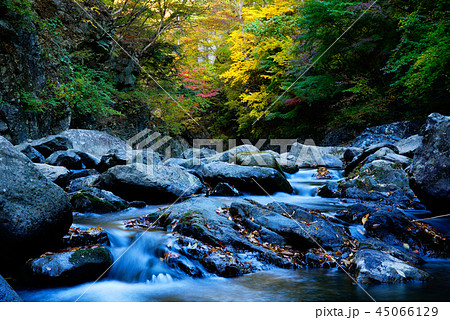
<point>141,261</point>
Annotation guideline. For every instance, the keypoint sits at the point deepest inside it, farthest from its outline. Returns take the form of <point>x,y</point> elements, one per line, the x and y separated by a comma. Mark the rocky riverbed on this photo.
<point>240,212</point>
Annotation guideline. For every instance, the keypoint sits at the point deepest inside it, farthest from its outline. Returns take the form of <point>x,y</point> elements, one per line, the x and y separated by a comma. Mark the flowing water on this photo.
<point>140,275</point>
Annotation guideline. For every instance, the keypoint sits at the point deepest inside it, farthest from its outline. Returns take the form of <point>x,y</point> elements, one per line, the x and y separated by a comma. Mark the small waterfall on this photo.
<point>142,261</point>
<point>305,183</point>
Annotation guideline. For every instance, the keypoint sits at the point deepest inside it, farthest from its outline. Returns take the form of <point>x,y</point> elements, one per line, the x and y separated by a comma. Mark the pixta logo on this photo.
<point>142,150</point>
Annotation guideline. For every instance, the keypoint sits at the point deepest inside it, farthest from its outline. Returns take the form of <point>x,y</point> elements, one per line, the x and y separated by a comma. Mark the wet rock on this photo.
<point>97,201</point>
<point>378,267</point>
<point>48,145</point>
<point>192,153</point>
<point>312,154</point>
<point>82,183</point>
<point>430,170</point>
<point>225,190</point>
<point>137,204</point>
<point>114,157</point>
<point>216,261</point>
<point>288,163</point>
<point>75,174</point>
<point>89,161</point>
<point>56,174</point>
<point>251,179</point>
<point>361,157</point>
<point>7,294</point>
<point>257,159</point>
<point>302,230</point>
<point>31,153</point>
<point>367,140</point>
<point>34,212</point>
<point>349,155</point>
<point>67,159</point>
<point>398,253</point>
<point>407,147</point>
<point>388,154</point>
<point>85,237</point>
<point>393,226</point>
<point>93,142</point>
<point>69,268</point>
<point>153,185</point>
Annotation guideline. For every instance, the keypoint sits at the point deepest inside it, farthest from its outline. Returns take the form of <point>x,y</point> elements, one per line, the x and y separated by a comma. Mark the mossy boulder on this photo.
<point>68,268</point>
<point>97,201</point>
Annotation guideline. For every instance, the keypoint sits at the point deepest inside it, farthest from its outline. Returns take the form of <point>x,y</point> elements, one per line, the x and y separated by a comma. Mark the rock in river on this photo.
<point>156,184</point>
<point>69,268</point>
<point>430,169</point>
<point>34,212</point>
<point>257,180</point>
<point>378,267</point>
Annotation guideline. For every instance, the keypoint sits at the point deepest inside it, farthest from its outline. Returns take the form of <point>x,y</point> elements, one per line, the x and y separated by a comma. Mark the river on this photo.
<point>138,275</point>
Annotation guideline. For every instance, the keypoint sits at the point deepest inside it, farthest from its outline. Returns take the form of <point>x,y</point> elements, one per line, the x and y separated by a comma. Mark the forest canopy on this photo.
<point>269,68</point>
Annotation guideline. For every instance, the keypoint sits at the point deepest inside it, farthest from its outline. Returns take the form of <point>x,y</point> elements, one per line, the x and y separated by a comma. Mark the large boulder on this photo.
<point>303,230</point>
<point>374,267</point>
<point>67,159</point>
<point>31,153</point>
<point>251,179</point>
<point>257,159</point>
<point>56,174</point>
<point>94,142</point>
<point>7,294</point>
<point>69,268</point>
<point>46,146</point>
<point>97,201</point>
<point>387,133</point>
<point>313,155</point>
<point>430,170</point>
<point>34,212</point>
<point>152,184</point>
<point>367,152</point>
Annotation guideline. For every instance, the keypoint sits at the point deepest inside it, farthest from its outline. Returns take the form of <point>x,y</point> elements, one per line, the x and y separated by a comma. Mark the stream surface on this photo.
<point>139,275</point>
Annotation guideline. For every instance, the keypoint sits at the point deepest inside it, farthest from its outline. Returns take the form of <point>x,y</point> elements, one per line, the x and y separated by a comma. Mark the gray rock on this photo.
<point>225,190</point>
<point>67,159</point>
<point>312,154</point>
<point>430,170</point>
<point>56,174</point>
<point>402,129</point>
<point>7,294</point>
<point>251,179</point>
<point>407,147</point>
<point>150,184</point>
<point>82,183</point>
<point>367,140</point>
<point>75,174</point>
<point>198,153</point>
<point>48,145</point>
<point>388,155</point>
<point>375,244</point>
<point>369,151</point>
<point>257,159</point>
<point>69,268</point>
<point>31,153</point>
<point>94,142</point>
<point>34,212</point>
<point>302,231</point>
<point>90,161</point>
<point>114,157</point>
<point>97,201</point>
<point>378,267</point>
